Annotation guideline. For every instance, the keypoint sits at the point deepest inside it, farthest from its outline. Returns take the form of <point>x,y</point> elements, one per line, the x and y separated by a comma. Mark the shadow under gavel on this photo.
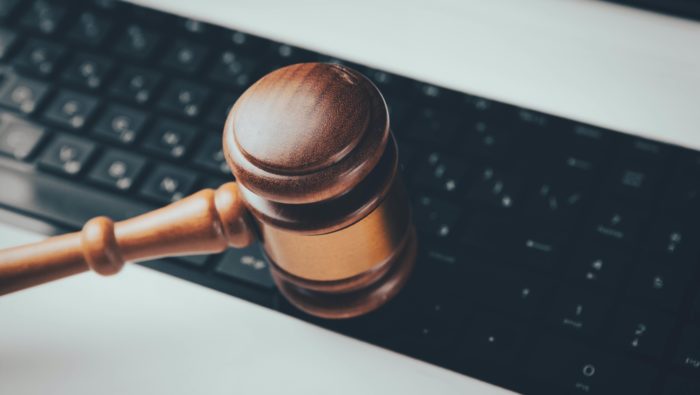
<point>316,168</point>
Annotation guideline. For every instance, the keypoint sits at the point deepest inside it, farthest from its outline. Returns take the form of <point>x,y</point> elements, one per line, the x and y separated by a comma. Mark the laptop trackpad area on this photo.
<point>146,332</point>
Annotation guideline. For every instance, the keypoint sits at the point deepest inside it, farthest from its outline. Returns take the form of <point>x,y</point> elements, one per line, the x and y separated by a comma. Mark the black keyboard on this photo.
<point>554,257</point>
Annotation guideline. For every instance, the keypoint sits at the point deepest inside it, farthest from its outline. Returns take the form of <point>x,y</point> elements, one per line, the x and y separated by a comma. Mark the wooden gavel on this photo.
<point>316,168</point>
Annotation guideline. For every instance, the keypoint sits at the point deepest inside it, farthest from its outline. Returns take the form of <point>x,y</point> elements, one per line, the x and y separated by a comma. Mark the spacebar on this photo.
<point>59,200</point>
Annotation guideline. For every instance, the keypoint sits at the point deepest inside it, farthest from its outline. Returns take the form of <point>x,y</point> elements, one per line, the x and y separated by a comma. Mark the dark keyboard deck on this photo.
<point>555,257</point>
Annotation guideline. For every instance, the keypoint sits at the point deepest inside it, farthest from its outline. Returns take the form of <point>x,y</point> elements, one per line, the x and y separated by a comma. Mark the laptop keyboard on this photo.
<point>554,257</point>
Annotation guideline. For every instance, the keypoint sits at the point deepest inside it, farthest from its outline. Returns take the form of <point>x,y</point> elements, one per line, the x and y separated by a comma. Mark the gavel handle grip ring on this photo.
<point>208,221</point>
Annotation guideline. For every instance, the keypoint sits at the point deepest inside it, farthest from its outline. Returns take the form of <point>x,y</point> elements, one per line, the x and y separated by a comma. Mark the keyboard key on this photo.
<point>90,29</point>
<point>135,85</point>
<point>87,71</point>
<point>559,366</point>
<point>8,39</point>
<point>169,138</point>
<point>39,58</point>
<point>235,70</point>
<point>7,7</point>
<point>659,284</point>
<point>431,125</point>
<point>167,184</point>
<point>67,155</point>
<point>247,265</point>
<point>688,353</point>
<point>633,183</point>
<point>681,386</point>
<point>441,173</point>
<point>220,109</point>
<point>184,56</point>
<point>486,138</point>
<point>674,243</point>
<point>195,260</point>
<point>514,292</point>
<point>580,312</point>
<point>597,265</point>
<point>19,138</point>
<point>70,109</point>
<point>210,155</point>
<point>490,343</point>
<point>615,222</point>
<point>183,98</point>
<point>436,217</point>
<point>538,248</point>
<point>495,188</point>
<point>554,202</point>
<point>23,94</point>
<point>486,230</point>
<point>120,123</point>
<point>117,170</point>
<point>243,41</point>
<point>43,16</point>
<point>642,331</point>
<point>137,42</point>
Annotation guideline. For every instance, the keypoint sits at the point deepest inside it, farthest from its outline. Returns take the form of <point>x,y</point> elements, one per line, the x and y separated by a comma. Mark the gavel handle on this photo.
<point>208,221</point>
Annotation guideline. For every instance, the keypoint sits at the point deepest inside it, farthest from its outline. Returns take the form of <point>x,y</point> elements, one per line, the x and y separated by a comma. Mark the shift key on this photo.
<point>247,265</point>
<point>19,138</point>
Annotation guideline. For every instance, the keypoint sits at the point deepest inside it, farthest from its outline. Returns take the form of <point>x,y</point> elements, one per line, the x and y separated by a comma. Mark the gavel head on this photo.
<point>316,164</point>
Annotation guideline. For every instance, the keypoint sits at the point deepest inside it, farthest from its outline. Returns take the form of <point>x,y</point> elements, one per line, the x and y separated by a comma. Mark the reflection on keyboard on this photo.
<point>555,257</point>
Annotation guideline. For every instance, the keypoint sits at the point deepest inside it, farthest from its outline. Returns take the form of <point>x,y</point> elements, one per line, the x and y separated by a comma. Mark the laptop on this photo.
<point>550,150</point>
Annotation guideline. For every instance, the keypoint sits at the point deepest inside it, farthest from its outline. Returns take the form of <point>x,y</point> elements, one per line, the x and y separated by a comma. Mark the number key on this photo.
<point>66,155</point>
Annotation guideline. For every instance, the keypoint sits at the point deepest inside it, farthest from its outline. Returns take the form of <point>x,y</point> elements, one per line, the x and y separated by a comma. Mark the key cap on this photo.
<point>436,217</point>
<point>688,353</point>
<point>633,183</point>
<point>70,109</point>
<point>490,342</point>
<point>220,109</point>
<point>117,170</point>
<point>658,284</point>
<point>90,29</point>
<point>598,265</point>
<point>7,8</point>
<point>120,123</point>
<point>87,71</point>
<point>495,188</point>
<point>43,16</point>
<point>559,366</point>
<point>195,260</point>
<point>210,155</point>
<point>514,292</point>
<point>430,125</point>
<point>486,138</point>
<point>184,56</point>
<point>441,173</point>
<point>19,138</point>
<point>169,138</point>
<point>235,70</point>
<point>23,94</point>
<point>135,85</point>
<point>184,99</point>
<point>8,39</point>
<point>137,42</point>
<point>681,197</point>
<point>284,55</point>
<point>677,385</point>
<point>642,331</point>
<point>554,202</point>
<point>616,222</point>
<point>166,184</point>
<point>243,41</point>
<point>247,265</point>
<point>66,155</point>
<point>674,243</point>
<point>579,311</point>
<point>39,58</point>
<point>538,248</point>
<point>485,230</point>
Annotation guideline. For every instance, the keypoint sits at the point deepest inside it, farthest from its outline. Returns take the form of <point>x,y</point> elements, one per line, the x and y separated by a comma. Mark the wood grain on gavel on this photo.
<point>316,168</point>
